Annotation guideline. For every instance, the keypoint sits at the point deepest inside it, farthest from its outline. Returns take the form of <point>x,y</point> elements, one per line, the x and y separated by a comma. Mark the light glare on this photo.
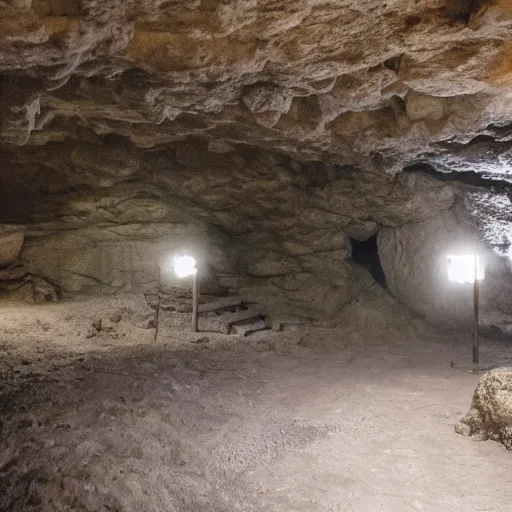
<point>184,266</point>
<point>461,268</point>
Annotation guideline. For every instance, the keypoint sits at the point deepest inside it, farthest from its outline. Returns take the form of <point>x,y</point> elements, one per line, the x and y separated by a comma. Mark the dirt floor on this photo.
<point>325,420</point>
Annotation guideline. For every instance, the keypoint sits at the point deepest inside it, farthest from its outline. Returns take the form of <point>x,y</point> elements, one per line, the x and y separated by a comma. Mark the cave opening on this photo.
<point>366,254</point>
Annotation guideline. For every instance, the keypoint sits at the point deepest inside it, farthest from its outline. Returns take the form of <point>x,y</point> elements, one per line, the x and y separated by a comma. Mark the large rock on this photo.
<point>414,260</point>
<point>374,312</point>
<point>11,243</point>
<point>490,415</point>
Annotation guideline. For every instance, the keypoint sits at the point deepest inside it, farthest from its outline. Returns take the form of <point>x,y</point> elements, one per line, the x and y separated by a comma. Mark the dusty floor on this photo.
<point>318,420</point>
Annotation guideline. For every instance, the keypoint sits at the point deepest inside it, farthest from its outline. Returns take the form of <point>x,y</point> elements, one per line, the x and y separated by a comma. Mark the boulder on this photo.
<point>490,415</point>
<point>140,315</point>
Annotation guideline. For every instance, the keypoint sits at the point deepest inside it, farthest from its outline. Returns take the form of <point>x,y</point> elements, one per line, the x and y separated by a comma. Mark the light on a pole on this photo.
<point>463,268</point>
<point>184,266</point>
<point>468,268</point>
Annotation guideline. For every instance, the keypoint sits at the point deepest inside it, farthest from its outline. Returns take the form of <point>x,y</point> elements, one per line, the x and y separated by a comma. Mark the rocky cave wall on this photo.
<point>274,228</point>
<point>103,218</point>
<point>263,136</point>
<point>414,259</point>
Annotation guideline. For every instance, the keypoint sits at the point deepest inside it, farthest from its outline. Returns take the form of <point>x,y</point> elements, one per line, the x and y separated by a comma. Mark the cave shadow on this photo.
<point>366,254</point>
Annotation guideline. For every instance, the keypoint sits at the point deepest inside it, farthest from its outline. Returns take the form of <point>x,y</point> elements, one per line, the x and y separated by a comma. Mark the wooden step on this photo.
<point>224,302</point>
<point>222,323</point>
<point>246,328</point>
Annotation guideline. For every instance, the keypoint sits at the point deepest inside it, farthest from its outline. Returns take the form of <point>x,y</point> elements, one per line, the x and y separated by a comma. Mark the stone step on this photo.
<point>246,328</point>
<point>224,302</point>
<point>222,323</point>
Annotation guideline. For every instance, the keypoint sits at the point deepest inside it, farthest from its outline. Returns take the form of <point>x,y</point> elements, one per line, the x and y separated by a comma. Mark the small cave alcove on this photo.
<point>366,254</point>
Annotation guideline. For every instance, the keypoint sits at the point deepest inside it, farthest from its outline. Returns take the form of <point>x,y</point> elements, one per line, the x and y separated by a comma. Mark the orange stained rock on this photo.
<point>505,7</point>
<point>502,75</point>
<point>59,24</point>
<point>165,51</point>
<point>16,27</point>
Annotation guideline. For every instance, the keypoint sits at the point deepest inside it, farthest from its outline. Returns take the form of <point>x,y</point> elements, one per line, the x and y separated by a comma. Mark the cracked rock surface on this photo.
<point>261,135</point>
<point>490,415</point>
<point>366,82</point>
<point>280,225</point>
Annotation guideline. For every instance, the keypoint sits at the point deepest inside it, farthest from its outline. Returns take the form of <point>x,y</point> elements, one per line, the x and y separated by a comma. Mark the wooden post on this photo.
<point>195,300</point>
<point>476,341</point>
<point>158,292</point>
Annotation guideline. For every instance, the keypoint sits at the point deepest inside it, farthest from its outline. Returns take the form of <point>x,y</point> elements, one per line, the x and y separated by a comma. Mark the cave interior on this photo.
<point>319,160</point>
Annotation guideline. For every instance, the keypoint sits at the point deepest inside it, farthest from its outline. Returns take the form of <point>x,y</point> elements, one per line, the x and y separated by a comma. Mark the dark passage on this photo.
<point>366,254</point>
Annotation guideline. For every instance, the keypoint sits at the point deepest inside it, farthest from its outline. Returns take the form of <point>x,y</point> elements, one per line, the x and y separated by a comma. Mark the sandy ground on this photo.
<point>315,420</point>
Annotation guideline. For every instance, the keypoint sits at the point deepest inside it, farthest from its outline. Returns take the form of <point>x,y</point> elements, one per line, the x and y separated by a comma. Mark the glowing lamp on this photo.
<point>465,268</point>
<point>184,266</point>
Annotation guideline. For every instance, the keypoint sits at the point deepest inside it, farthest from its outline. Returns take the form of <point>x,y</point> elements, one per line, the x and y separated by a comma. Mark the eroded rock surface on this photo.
<point>367,82</point>
<point>490,415</point>
<point>106,259</point>
<point>277,226</point>
<point>261,135</point>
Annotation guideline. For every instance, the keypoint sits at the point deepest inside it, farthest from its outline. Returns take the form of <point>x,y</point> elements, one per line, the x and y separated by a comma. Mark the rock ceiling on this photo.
<point>366,83</point>
<point>277,122</point>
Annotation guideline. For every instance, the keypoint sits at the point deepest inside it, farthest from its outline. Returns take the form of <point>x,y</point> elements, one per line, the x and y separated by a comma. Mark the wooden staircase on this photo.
<point>230,315</point>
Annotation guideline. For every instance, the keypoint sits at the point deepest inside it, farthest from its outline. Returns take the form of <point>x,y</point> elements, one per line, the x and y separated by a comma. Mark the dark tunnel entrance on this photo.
<point>366,254</point>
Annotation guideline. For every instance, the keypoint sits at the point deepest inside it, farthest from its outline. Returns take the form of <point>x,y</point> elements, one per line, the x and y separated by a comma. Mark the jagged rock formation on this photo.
<point>261,135</point>
<point>490,415</point>
<point>359,83</point>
